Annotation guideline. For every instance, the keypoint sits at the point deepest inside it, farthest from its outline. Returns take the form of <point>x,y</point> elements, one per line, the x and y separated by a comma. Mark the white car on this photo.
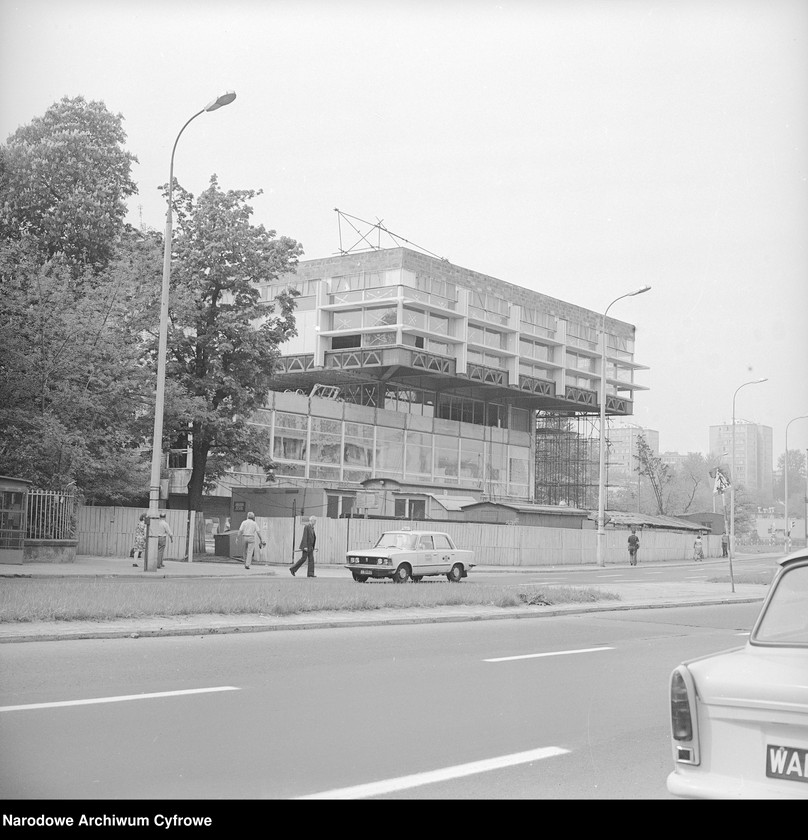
<point>739,719</point>
<point>410,555</point>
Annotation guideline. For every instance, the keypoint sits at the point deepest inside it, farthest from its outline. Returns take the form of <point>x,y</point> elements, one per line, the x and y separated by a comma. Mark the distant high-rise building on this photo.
<point>753,465</point>
<point>622,449</point>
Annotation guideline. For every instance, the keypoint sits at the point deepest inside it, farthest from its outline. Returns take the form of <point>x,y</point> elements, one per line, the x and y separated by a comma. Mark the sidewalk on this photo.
<point>632,595</point>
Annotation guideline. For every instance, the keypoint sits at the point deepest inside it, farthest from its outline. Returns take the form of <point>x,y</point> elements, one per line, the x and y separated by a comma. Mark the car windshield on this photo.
<point>785,621</point>
<point>395,539</point>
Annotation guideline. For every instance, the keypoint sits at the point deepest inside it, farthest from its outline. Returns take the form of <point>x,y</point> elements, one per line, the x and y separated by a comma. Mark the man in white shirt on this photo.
<point>162,530</point>
<point>250,533</point>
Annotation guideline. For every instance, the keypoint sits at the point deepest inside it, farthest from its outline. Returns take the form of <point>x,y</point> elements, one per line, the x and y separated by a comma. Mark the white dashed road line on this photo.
<point>120,699</point>
<point>434,776</point>
<point>550,653</point>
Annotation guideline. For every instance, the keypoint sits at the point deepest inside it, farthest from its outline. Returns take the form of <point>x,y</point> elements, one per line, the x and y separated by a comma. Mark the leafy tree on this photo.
<point>64,179</point>
<point>223,342</point>
<point>655,470</point>
<point>796,480</point>
<point>70,389</point>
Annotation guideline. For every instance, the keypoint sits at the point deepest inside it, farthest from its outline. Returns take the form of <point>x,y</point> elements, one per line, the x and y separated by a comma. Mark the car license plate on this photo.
<point>786,763</point>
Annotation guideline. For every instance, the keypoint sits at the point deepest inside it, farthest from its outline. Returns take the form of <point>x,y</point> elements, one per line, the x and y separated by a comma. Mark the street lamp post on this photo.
<point>733,480</point>
<point>159,404</point>
<point>601,538</point>
<point>786,533</point>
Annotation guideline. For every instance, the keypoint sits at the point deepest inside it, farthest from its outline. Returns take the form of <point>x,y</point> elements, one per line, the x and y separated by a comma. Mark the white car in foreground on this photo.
<point>739,719</point>
<point>410,555</point>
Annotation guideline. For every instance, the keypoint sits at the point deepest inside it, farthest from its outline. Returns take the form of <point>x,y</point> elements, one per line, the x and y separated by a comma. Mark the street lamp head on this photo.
<point>221,101</point>
<point>639,291</point>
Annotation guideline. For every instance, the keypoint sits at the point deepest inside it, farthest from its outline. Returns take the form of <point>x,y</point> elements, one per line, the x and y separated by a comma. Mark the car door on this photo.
<point>425,562</point>
<point>444,553</point>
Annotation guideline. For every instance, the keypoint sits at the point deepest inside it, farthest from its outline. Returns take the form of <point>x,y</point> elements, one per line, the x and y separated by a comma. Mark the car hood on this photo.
<point>375,552</point>
<point>754,677</point>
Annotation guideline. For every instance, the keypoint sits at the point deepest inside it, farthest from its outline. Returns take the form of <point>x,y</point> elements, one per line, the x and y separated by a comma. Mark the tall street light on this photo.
<point>157,436</point>
<point>733,480</point>
<point>787,540</point>
<point>601,538</point>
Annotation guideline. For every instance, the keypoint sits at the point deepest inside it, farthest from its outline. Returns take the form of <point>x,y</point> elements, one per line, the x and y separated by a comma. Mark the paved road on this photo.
<point>634,593</point>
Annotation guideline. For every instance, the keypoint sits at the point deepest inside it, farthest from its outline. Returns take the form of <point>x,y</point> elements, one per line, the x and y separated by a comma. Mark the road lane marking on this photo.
<point>551,653</point>
<point>119,699</point>
<point>434,776</point>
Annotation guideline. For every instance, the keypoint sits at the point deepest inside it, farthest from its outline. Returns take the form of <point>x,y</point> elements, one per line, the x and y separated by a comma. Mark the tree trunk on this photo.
<point>199,460</point>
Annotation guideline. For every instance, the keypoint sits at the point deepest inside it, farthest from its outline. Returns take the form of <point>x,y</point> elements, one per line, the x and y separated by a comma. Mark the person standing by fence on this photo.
<point>139,545</point>
<point>162,530</point>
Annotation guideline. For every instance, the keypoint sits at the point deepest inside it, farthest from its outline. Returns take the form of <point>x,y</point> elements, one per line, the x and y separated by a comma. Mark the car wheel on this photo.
<point>456,574</point>
<point>417,578</point>
<point>402,573</point>
<point>359,578</point>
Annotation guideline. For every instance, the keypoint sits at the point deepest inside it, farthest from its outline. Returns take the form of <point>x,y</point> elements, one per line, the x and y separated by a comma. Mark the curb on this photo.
<point>353,621</point>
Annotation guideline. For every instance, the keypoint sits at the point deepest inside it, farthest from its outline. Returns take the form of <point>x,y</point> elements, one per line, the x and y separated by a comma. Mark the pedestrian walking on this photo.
<point>725,544</point>
<point>698,549</point>
<point>307,543</point>
<point>251,534</point>
<point>633,546</point>
<point>162,530</point>
<point>139,545</point>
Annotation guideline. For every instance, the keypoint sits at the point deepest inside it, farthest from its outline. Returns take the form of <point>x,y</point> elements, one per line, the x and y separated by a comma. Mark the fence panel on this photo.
<point>51,515</point>
<point>110,531</point>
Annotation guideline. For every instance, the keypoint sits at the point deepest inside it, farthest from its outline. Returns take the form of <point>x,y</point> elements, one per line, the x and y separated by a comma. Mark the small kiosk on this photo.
<point>13,518</point>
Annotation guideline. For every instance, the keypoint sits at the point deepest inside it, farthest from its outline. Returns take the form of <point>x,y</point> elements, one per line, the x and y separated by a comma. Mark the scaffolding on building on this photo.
<point>567,459</point>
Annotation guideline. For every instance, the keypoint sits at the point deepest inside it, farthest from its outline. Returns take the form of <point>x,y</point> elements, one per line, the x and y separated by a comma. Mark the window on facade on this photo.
<point>520,419</point>
<point>381,317</point>
<point>498,464</point>
<point>534,350</point>
<point>517,469</point>
<point>346,342</point>
<point>348,319</point>
<point>389,452</point>
<point>440,347</point>
<point>438,324</point>
<point>289,441</point>
<point>471,459</point>
<point>414,509</point>
<point>419,454</point>
<point>416,341</point>
<point>358,445</point>
<point>446,457</point>
<point>497,415</point>
<point>378,339</point>
<point>414,318</point>
<point>326,441</point>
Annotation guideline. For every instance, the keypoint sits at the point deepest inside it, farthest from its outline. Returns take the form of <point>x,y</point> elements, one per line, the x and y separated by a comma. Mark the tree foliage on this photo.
<point>223,340</point>
<point>655,470</point>
<point>796,480</point>
<point>70,388</point>
<point>64,179</point>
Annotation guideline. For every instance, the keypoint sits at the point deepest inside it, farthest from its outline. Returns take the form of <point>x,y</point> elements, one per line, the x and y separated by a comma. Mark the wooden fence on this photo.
<point>109,532</point>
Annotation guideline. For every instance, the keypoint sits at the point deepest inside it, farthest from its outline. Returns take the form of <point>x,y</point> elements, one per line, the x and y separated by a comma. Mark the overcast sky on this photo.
<point>581,148</point>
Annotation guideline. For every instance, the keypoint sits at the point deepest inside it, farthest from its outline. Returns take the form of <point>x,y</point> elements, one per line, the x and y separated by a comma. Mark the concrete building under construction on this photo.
<point>415,387</point>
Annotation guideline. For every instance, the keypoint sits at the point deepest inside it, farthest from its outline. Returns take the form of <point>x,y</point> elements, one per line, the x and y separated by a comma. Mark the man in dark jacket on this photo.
<point>307,543</point>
